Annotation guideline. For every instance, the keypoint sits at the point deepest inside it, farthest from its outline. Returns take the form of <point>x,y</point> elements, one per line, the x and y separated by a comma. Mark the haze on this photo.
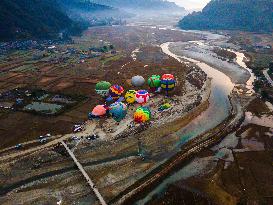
<point>191,4</point>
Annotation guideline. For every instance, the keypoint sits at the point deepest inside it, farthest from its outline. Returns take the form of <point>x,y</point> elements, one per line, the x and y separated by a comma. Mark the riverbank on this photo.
<point>223,173</point>
<point>204,53</point>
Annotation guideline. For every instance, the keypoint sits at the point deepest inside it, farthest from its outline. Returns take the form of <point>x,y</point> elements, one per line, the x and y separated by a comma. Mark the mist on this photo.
<point>191,4</point>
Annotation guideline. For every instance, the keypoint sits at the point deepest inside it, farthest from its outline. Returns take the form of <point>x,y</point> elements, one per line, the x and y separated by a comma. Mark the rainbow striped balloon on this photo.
<point>142,114</point>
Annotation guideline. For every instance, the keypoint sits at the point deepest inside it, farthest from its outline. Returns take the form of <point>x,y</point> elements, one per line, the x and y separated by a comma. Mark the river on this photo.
<point>218,110</point>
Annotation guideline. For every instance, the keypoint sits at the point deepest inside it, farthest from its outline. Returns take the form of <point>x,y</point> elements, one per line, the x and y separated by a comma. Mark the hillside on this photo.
<point>20,19</point>
<point>82,5</point>
<point>141,4</point>
<point>247,15</point>
<point>41,19</point>
<point>87,11</point>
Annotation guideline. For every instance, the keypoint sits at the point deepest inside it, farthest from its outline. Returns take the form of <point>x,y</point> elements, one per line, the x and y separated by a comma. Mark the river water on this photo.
<point>219,107</point>
<point>240,57</point>
<point>218,110</point>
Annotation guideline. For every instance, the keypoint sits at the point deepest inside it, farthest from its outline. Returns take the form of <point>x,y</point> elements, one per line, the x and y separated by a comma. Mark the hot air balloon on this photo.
<point>118,110</point>
<point>142,97</point>
<point>98,111</point>
<point>154,82</point>
<point>165,106</point>
<point>167,82</point>
<point>115,91</point>
<point>130,96</point>
<point>138,81</point>
<point>102,88</point>
<point>167,76</point>
<point>142,114</point>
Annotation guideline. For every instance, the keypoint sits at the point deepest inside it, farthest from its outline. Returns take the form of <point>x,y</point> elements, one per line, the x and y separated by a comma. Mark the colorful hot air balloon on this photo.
<point>138,81</point>
<point>130,96</point>
<point>102,88</point>
<point>154,82</point>
<point>142,97</point>
<point>167,82</point>
<point>142,114</point>
<point>167,76</point>
<point>98,111</point>
<point>115,91</point>
<point>118,110</point>
<point>165,107</point>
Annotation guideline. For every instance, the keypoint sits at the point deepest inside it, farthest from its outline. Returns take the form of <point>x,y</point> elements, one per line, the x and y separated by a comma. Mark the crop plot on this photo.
<point>38,101</point>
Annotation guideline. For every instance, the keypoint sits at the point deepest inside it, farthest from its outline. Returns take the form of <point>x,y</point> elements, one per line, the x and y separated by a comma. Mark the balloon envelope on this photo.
<point>165,106</point>
<point>118,111</point>
<point>167,82</point>
<point>99,110</point>
<point>116,91</point>
<point>130,96</point>
<point>103,85</point>
<point>154,81</point>
<point>142,96</point>
<point>102,88</point>
<point>142,114</point>
<point>138,81</point>
<point>167,76</point>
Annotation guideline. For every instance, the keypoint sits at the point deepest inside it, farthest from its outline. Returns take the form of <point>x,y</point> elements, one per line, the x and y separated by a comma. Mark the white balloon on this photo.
<point>138,81</point>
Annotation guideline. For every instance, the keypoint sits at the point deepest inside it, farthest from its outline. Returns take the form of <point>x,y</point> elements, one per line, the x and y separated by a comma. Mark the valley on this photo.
<point>213,145</point>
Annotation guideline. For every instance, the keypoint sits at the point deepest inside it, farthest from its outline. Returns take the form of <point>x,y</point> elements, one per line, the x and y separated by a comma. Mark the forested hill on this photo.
<point>84,5</point>
<point>247,15</point>
<point>40,19</point>
<point>141,4</point>
<point>20,19</point>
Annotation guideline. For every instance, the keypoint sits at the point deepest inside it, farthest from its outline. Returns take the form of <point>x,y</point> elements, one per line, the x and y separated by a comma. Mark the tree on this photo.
<point>271,66</point>
<point>248,15</point>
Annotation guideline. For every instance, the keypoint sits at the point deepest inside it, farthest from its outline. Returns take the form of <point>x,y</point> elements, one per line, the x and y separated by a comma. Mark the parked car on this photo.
<point>75,137</point>
<point>44,140</point>
<point>41,137</point>
<point>48,135</point>
<point>77,128</point>
<point>18,146</point>
<point>92,137</point>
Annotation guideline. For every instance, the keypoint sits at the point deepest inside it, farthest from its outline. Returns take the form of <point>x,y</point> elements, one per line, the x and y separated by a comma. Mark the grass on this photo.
<point>21,54</point>
<point>224,53</point>
<point>2,58</point>
<point>110,59</point>
<point>258,107</point>
<point>261,61</point>
<point>25,68</point>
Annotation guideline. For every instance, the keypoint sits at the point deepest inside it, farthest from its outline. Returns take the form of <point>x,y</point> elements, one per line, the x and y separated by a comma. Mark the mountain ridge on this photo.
<point>46,19</point>
<point>246,15</point>
<point>141,4</point>
<point>35,19</point>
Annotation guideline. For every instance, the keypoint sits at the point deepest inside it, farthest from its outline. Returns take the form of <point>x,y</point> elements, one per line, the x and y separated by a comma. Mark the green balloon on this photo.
<point>154,81</point>
<point>103,85</point>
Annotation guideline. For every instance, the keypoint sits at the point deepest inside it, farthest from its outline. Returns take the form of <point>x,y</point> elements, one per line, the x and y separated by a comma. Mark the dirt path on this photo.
<point>89,181</point>
<point>268,77</point>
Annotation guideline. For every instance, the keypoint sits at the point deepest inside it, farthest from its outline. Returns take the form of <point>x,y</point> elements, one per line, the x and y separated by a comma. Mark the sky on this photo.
<point>191,4</point>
